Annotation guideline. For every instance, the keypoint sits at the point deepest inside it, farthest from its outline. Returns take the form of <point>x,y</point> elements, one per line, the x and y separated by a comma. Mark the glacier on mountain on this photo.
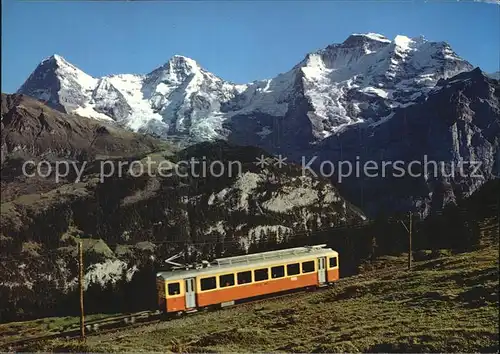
<point>362,79</point>
<point>368,97</point>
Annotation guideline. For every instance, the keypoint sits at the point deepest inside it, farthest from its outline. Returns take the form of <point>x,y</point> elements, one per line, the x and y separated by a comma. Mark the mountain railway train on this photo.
<point>234,279</point>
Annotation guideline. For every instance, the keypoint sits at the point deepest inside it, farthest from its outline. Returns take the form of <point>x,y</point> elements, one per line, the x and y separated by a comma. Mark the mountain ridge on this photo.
<point>348,99</point>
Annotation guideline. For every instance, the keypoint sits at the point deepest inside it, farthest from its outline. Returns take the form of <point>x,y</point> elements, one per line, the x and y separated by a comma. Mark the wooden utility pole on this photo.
<point>409,243</point>
<point>409,229</point>
<point>80,283</point>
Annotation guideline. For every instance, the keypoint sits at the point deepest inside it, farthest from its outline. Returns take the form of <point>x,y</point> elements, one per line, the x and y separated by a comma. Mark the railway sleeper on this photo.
<point>129,320</point>
<point>92,327</point>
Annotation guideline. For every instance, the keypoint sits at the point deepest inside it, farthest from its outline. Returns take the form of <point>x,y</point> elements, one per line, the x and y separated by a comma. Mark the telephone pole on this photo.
<point>409,243</point>
<point>409,229</point>
<point>80,283</point>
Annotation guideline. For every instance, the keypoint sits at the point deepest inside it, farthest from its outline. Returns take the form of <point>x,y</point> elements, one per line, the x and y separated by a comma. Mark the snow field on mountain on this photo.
<point>342,84</point>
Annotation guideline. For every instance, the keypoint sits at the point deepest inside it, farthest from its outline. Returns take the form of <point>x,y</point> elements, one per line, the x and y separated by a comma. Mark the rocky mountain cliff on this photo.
<point>448,145</point>
<point>30,128</point>
<point>31,131</point>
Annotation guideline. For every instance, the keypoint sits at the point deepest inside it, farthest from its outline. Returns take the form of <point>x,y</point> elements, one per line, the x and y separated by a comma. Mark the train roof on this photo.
<point>252,260</point>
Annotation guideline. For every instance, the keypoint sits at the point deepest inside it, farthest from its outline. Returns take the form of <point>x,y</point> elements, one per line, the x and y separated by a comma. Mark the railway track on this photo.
<point>128,321</point>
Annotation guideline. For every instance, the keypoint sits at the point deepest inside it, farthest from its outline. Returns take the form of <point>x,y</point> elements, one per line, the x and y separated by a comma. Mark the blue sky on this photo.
<point>239,41</point>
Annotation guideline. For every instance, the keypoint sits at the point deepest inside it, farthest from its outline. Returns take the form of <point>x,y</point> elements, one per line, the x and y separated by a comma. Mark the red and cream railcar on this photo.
<point>232,279</point>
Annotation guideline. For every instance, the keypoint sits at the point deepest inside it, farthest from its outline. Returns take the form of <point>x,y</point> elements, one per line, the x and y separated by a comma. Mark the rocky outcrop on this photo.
<point>456,129</point>
<point>32,129</point>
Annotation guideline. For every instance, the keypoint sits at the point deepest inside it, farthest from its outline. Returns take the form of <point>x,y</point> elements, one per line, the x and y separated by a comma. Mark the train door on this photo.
<point>322,270</point>
<point>190,293</point>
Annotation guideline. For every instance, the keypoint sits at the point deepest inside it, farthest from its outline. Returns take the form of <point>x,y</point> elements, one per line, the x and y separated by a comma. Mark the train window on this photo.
<point>292,269</point>
<point>174,289</point>
<point>208,283</point>
<point>245,277</point>
<point>333,262</point>
<point>278,272</point>
<point>308,267</point>
<point>261,274</point>
<point>226,280</point>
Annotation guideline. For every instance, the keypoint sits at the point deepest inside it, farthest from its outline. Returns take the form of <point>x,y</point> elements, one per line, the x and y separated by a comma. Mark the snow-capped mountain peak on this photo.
<point>60,84</point>
<point>182,62</point>
<point>55,58</point>
<point>361,79</point>
<point>367,76</point>
<point>66,70</point>
<point>176,70</point>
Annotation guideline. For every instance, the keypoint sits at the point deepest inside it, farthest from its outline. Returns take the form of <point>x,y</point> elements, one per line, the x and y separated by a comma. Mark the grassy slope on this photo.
<point>446,304</point>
